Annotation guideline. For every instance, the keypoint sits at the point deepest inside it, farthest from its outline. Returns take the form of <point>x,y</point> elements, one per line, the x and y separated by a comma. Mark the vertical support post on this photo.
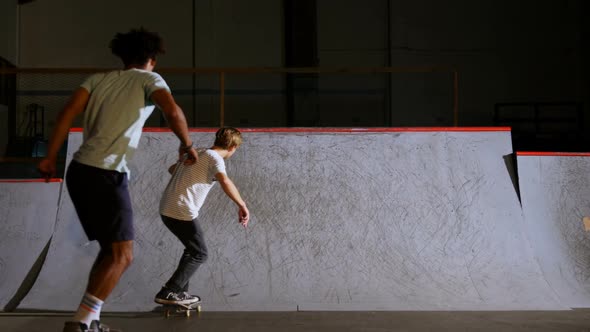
<point>301,50</point>
<point>455,98</point>
<point>388,116</point>
<point>194,63</point>
<point>221,99</point>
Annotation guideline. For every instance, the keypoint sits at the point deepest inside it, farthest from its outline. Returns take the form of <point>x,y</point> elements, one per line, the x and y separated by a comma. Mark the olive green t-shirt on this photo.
<point>118,107</point>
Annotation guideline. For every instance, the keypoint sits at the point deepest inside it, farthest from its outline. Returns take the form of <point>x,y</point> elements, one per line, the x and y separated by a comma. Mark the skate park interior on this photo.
<point>406,169</point>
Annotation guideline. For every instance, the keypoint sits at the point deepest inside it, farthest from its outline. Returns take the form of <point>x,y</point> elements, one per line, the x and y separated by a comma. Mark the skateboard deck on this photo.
<point>184,309</point>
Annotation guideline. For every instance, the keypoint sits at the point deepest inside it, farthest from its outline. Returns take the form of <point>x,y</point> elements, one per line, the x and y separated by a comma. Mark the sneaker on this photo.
<point>75,327</point>
<point>96,326</point>
<point>187,295</point>
<point>166,296</point>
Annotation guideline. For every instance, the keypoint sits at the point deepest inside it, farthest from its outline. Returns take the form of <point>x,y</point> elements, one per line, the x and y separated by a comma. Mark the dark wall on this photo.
<point>504,51</point>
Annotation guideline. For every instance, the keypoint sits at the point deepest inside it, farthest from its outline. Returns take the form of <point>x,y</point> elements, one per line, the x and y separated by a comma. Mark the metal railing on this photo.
<point>222,73</point>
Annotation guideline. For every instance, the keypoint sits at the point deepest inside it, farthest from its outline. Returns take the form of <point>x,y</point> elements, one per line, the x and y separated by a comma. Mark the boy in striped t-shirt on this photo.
<point>180,204</point>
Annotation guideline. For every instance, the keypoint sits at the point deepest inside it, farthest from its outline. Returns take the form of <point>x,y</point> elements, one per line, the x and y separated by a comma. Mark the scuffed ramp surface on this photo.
<point>555,197</point>
<point>340,221</point>
<point>27,222</point>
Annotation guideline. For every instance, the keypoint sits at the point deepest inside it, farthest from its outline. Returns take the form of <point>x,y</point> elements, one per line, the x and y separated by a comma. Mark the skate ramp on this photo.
<point>27,222</point>
<point>555,197</point>
<point>341,220</point>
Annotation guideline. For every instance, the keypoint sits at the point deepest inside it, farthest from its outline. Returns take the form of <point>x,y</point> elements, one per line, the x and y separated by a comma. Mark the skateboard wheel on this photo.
<point>167,314</point>
<point>198,308</point>
<point>188,313</point>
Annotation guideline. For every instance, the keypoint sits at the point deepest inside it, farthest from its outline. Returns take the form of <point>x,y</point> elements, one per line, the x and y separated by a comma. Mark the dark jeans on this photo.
<point>195,251</point>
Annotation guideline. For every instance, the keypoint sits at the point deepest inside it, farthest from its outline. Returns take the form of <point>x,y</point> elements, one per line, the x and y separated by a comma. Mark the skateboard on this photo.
<point>185,309</point>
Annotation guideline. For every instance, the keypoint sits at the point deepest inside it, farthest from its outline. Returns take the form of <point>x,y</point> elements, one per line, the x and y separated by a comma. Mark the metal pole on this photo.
<point>194,63</point>
<point>221,99</point>
<point>388,82</point>
<point>455,98</point>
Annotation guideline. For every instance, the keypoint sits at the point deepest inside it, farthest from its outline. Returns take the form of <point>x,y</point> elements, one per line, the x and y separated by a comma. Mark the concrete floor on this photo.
<point>537,321</point>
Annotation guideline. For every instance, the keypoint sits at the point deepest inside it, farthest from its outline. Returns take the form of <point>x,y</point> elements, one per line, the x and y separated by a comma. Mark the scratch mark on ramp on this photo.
<point>270,268</point>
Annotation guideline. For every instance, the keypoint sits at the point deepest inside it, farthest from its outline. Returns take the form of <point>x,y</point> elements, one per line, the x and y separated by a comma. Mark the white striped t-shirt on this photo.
<point>186,192</point>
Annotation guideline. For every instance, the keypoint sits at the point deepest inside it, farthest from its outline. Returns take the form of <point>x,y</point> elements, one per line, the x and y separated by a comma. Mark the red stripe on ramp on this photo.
<point>552,154</point>
<point>335,130</point>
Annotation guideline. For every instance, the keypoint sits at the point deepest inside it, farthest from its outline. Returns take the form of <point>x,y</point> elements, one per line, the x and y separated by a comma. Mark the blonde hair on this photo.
<point>228,137</point>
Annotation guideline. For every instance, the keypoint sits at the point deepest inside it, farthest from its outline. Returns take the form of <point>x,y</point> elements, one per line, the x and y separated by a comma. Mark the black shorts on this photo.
<point>102,202</point>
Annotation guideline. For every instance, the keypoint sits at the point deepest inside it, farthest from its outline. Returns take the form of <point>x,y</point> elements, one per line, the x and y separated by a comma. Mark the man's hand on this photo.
<point>244,215</point>
<point>191,155</point>
<point>47,168</point>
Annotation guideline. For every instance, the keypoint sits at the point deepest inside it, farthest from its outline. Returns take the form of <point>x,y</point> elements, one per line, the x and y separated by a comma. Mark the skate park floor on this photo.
<point>484,321</point>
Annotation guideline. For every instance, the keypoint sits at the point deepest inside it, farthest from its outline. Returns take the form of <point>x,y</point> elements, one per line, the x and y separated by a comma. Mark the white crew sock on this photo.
<point>89,309</point>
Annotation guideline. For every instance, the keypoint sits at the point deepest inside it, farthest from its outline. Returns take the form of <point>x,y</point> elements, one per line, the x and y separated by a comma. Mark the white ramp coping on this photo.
<point>27,221</point>
<point>555,190</point>
<point>341,220</point>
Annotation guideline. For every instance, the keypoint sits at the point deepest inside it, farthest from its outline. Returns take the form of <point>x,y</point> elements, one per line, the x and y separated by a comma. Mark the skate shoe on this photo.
<point>95,326</point>
<point>75,327</point>
<point>166,296</point>
<point>195,297</point>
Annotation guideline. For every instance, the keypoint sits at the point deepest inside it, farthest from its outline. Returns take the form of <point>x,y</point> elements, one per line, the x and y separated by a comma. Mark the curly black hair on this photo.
<point>137,46</point>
